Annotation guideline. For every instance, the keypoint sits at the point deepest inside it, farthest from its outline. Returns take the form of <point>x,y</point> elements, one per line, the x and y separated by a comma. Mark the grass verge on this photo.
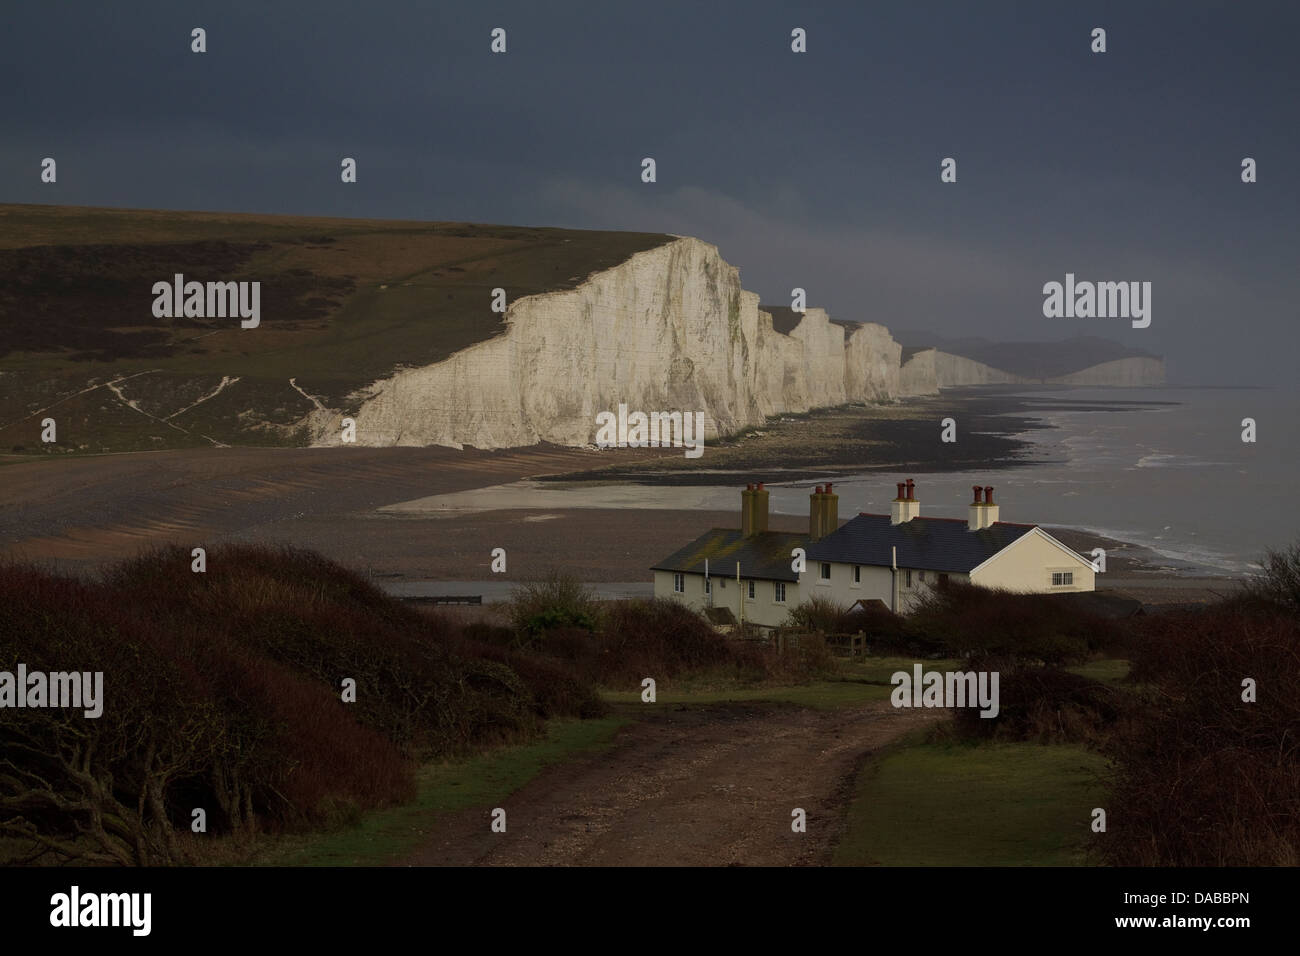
<point>1008,804</point>
<point>387,836</point>
<point>881,669</point>
<point>860,682</point>
<point>1108,670</point>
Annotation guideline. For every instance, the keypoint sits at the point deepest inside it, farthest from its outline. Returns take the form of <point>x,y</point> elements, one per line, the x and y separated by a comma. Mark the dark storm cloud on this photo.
<point>816,170</point>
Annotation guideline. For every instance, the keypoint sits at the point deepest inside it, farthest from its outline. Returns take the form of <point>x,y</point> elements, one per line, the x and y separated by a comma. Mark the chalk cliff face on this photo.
<point>918,375</point>
<point>871,363</point>
<point>928,370</point>
<point>1138,370</point>
<point>669,329</point>
<point>821,368</point>
<point>956,371</point>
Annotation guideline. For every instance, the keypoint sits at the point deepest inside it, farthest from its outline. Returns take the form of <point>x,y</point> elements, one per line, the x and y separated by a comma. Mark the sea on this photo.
<point>1163,468</point>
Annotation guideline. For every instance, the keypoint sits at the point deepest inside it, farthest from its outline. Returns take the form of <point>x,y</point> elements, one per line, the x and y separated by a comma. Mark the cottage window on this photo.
<point>708,585</point>
<point>778,592</point>
<point>1061,579</point>
<point>751,590</point>
<point>907,578</point>
<point>679,583</point>
<point>826,571</point>
<point>857,574</point>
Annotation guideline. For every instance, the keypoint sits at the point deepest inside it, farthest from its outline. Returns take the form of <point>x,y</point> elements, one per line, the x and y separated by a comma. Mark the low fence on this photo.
<point>847,645</point>
<point>787,640</point>
<point>443,598</point>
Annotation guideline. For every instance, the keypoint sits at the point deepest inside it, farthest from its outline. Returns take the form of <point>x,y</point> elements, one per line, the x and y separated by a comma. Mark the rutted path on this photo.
<point>697,786</point>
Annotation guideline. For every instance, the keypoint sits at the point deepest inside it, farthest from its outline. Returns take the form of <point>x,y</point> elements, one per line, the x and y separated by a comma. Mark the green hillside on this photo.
<point>343,302</point>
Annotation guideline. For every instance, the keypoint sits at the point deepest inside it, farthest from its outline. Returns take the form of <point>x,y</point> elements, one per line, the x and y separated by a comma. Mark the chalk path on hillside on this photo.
<point>686,786</point>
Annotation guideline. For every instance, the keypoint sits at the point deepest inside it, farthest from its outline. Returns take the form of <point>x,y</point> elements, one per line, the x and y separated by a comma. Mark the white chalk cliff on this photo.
<point>1126,372</point>
<point>669,329</point>
<point>928,370</point>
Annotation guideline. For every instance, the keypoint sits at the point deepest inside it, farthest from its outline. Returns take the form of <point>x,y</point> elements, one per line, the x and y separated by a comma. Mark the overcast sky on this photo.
<point>818,170</point>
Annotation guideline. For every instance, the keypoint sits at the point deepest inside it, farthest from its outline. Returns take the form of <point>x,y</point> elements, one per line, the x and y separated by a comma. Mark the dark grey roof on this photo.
<point>765,556</point>
<point>931,544</point>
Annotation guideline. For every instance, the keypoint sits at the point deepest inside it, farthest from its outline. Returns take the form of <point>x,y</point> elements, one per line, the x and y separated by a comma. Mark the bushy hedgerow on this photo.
<point>222,691</point>
<point>1046,705</point>
<point>556,601</point>
<point>999,628</point>
<point>663,639</point>
<point>1204,777</point>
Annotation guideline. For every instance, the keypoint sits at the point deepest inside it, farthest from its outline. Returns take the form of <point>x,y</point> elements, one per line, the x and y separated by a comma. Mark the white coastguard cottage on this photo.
<point>891,558</point>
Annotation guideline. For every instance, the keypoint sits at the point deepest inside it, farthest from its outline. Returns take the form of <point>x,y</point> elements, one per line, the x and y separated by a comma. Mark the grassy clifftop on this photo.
<point>343,302</point>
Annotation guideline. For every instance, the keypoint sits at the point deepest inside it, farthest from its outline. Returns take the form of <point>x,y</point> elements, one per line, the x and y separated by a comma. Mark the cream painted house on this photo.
<point>894,558</point>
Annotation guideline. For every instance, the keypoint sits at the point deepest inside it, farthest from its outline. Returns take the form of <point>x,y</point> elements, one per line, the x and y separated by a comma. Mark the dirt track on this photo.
<point>698,786</point>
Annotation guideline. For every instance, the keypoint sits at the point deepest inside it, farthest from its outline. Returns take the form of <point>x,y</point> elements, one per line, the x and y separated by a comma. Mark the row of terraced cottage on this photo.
<point>758,576</point>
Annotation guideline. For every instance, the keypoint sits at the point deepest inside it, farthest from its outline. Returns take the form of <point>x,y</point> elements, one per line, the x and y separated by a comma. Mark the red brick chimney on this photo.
<point>982,512</point>
<point>905,506</point>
